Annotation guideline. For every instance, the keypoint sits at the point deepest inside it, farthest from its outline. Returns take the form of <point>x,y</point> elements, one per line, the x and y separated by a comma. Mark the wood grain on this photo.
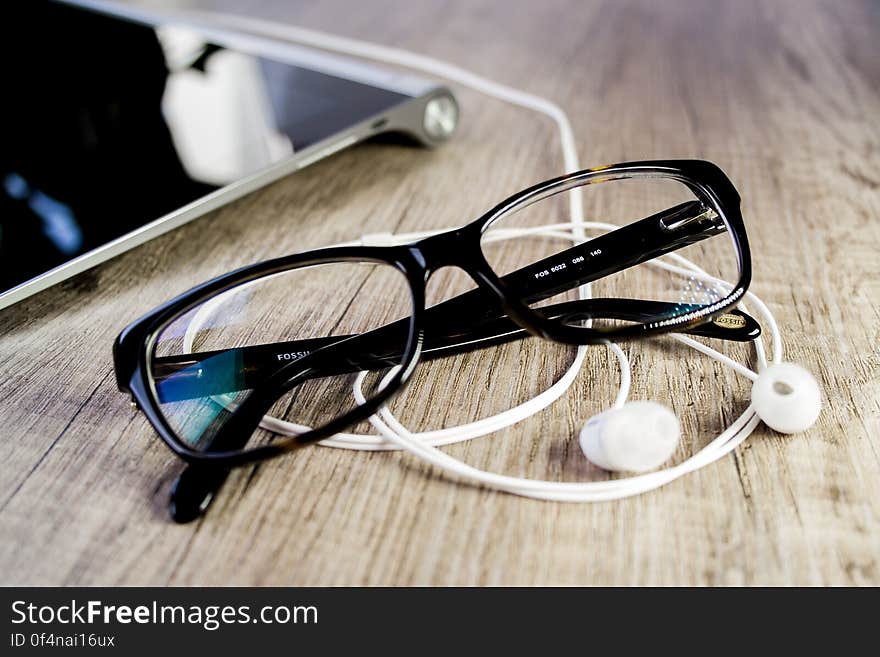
<point>783,95</point>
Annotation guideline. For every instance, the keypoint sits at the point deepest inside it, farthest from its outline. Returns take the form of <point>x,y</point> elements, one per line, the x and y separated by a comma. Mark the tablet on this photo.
<point>119,128</point>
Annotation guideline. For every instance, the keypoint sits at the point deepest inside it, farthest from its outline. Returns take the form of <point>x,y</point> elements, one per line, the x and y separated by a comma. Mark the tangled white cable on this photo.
<point>790,396</point>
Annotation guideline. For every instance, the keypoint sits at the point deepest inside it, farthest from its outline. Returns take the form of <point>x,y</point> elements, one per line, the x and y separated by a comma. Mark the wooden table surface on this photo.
<point>783,95</point>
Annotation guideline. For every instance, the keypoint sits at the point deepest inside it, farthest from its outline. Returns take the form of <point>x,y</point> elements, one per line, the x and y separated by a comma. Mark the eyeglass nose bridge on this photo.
<point>461,250</point>
<point>458,248</point>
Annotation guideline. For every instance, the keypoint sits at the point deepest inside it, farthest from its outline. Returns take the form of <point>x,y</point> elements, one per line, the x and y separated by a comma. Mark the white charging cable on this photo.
<point>392,433</point>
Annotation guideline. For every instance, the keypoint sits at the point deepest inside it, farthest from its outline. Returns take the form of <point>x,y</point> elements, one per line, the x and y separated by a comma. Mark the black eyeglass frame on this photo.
<point>461,248</point>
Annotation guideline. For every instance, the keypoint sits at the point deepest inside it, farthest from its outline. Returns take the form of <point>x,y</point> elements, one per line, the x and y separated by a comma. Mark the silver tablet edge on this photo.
<point>406,117</point>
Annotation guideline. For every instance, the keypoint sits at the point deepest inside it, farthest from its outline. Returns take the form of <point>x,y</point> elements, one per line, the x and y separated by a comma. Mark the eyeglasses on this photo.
<point>287,337</point>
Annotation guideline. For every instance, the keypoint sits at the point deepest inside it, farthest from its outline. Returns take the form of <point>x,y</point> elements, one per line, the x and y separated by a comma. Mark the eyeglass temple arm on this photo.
<point>191,375</point>
<point>604,255</point>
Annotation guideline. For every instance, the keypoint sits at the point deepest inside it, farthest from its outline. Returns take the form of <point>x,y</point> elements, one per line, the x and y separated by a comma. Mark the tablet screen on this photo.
<point>110,124</point>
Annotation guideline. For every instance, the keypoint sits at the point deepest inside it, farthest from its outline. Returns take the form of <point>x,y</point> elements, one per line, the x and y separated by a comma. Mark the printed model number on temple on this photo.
<point>561,265</point>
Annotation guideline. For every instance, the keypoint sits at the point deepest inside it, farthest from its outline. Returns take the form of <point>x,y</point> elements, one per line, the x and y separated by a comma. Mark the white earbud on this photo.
<point>787,398</point>
<point>637,437</point>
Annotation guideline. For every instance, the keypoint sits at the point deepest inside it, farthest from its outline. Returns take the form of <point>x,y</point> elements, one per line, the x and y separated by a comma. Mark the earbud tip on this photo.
<point>638,437</point>
<point>787,398</point>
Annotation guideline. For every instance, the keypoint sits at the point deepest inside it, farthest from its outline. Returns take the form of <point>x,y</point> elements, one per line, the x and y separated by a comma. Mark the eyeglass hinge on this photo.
<point>684,217</point>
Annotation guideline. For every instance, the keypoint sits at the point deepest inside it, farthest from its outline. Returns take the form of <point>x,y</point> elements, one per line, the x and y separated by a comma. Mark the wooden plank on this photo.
<point>784,96</point>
